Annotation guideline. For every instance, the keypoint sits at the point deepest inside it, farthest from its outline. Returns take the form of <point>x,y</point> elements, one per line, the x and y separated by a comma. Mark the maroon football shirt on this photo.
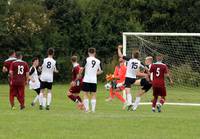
<point>19,69</point>
<point>159,70</point>
<point>75,71</point>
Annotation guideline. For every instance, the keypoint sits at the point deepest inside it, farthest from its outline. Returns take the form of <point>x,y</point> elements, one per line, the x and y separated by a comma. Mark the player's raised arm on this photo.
<point>120,51</point>
<point>121,55</point>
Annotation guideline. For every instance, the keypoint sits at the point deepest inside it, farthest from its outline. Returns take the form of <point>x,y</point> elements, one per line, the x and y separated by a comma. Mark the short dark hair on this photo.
<point>11,52</point>
<point>74,58</point>
<point>91,50</point>
<point>136,54</point>
<point>50,51</point>
<point>34,59</point>
<point>18,54</point>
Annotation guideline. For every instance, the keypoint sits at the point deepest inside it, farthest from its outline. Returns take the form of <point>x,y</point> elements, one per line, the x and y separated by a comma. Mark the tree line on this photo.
<point>72,26</point>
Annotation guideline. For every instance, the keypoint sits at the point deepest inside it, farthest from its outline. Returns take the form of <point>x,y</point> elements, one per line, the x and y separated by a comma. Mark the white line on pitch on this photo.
<point>174,104</point>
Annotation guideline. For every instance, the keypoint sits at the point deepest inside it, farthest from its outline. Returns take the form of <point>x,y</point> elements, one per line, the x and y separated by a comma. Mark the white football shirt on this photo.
<point>133,66</point>
<point>34,74</point>
<point>92,65</point>
<point>48,68</point>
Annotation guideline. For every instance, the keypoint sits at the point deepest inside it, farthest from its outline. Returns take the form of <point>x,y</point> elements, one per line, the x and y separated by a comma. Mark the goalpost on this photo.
<point>181,53</point>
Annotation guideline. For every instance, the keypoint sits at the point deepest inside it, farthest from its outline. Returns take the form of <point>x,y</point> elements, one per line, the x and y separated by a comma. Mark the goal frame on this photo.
<point>125,34</point>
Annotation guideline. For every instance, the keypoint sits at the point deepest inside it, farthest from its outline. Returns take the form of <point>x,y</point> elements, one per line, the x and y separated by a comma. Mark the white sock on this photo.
<point>129,99</point>
<point>137,101</point>
<point>86,104</point>
<point>41,98</point>
<point>44,101</point>
<point>124,94</point>
<point>36,98</point>
<point>49,96</point>
<point>93,103</point>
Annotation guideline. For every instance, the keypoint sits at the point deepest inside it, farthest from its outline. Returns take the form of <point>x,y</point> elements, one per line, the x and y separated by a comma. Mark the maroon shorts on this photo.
<point>17,91</point>
<point>75,89</point>
<point>159,91</point>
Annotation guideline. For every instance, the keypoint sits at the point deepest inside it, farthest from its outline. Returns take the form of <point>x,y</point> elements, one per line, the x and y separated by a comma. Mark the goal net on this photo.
<point>181,53</point>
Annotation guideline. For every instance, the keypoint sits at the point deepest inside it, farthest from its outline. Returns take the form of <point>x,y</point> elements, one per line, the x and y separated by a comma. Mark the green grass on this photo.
<point>64,121</point>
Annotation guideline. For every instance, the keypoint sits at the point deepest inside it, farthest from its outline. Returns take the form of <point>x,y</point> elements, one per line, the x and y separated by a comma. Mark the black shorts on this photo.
<point>44,85</point>
<point>145,85</point>
<point>89,87</point>
<point>37,91</point>
<point>129,82</point>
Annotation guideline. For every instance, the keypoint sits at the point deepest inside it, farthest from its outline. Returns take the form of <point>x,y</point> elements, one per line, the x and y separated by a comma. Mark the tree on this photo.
<point>25,22</point>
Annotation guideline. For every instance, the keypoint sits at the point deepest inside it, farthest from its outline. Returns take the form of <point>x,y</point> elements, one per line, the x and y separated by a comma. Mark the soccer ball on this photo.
<point>107,86</point>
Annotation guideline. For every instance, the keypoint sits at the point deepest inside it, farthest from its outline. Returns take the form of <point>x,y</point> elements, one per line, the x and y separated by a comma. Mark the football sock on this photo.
<point>20,98</point>
<point>124,94</point>
<point>112,95</point>
<point>41,99</point>
<point>154,101</point>
<point>36,98</point>
<point>44,102</point>
<point>162,101</point>
<point>86,104</point>
<point>137,101</point>
<point>119,96</point>
<point>129,99</point>
<point>11,100</point>
<point>72,97</point>
<point>153,109</point>
<point>49,96</point>
<point>93,103</point>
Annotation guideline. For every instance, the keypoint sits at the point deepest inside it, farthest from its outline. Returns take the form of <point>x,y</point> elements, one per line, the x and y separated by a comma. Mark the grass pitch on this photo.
<point>64,121</point>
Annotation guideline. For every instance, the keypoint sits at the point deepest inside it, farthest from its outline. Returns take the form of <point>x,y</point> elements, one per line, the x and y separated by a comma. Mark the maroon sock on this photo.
<point>72,97</point>
<point>79,99</point>
<point>162,101</point>
<point>154,101</point>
